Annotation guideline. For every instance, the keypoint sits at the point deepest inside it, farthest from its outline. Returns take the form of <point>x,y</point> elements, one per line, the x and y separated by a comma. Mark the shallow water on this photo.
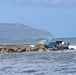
<point>38,63</point>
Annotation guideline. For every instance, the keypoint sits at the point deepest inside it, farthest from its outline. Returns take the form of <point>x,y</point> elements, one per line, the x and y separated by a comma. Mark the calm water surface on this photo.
<point>38,63</point>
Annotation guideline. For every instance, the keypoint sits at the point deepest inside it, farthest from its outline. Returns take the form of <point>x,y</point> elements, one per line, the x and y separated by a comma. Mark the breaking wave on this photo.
<point>72,47</point>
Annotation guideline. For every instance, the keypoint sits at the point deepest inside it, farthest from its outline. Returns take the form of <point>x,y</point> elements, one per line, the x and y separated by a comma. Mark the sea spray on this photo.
<point>72,47</point>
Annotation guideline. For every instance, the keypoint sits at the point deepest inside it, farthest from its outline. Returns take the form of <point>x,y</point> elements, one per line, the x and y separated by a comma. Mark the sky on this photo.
<point>56,16</point>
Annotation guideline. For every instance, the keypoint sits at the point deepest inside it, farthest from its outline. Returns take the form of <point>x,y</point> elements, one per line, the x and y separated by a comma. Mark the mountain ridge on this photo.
<point>18,31</point>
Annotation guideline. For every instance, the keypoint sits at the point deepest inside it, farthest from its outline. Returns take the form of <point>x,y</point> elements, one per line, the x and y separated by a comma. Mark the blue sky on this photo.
<point>56,16</point>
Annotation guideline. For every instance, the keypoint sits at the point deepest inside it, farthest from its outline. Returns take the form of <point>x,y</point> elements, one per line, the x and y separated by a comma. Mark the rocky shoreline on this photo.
<point>27,48</point>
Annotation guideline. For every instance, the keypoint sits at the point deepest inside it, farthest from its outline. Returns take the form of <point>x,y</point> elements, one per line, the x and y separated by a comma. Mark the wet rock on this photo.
<point>39,47</point>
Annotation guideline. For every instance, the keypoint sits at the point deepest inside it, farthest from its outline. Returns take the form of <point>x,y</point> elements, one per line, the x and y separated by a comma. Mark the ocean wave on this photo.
<point>72,46</point>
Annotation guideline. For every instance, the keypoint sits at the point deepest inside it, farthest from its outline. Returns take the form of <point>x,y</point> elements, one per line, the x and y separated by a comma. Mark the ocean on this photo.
<point>40,62</point>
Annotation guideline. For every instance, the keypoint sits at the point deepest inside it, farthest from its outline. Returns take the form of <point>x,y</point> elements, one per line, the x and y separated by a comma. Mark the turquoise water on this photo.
<point>39,63</point>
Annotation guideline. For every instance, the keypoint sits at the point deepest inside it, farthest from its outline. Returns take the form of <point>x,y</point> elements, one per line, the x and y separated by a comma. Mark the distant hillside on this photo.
<point>14,31</point>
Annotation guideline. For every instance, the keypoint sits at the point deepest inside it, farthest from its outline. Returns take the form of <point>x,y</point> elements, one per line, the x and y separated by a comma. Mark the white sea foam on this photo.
<point>32,45</point>
<point>72,46</point>
<point>42,41</point>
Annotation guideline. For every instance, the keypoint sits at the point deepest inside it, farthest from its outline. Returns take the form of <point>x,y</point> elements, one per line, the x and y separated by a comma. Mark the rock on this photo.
<point>39,47</point>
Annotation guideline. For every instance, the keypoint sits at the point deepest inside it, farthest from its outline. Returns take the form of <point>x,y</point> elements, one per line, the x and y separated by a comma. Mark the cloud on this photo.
<point>48,1</point>
<point>56,1</point>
